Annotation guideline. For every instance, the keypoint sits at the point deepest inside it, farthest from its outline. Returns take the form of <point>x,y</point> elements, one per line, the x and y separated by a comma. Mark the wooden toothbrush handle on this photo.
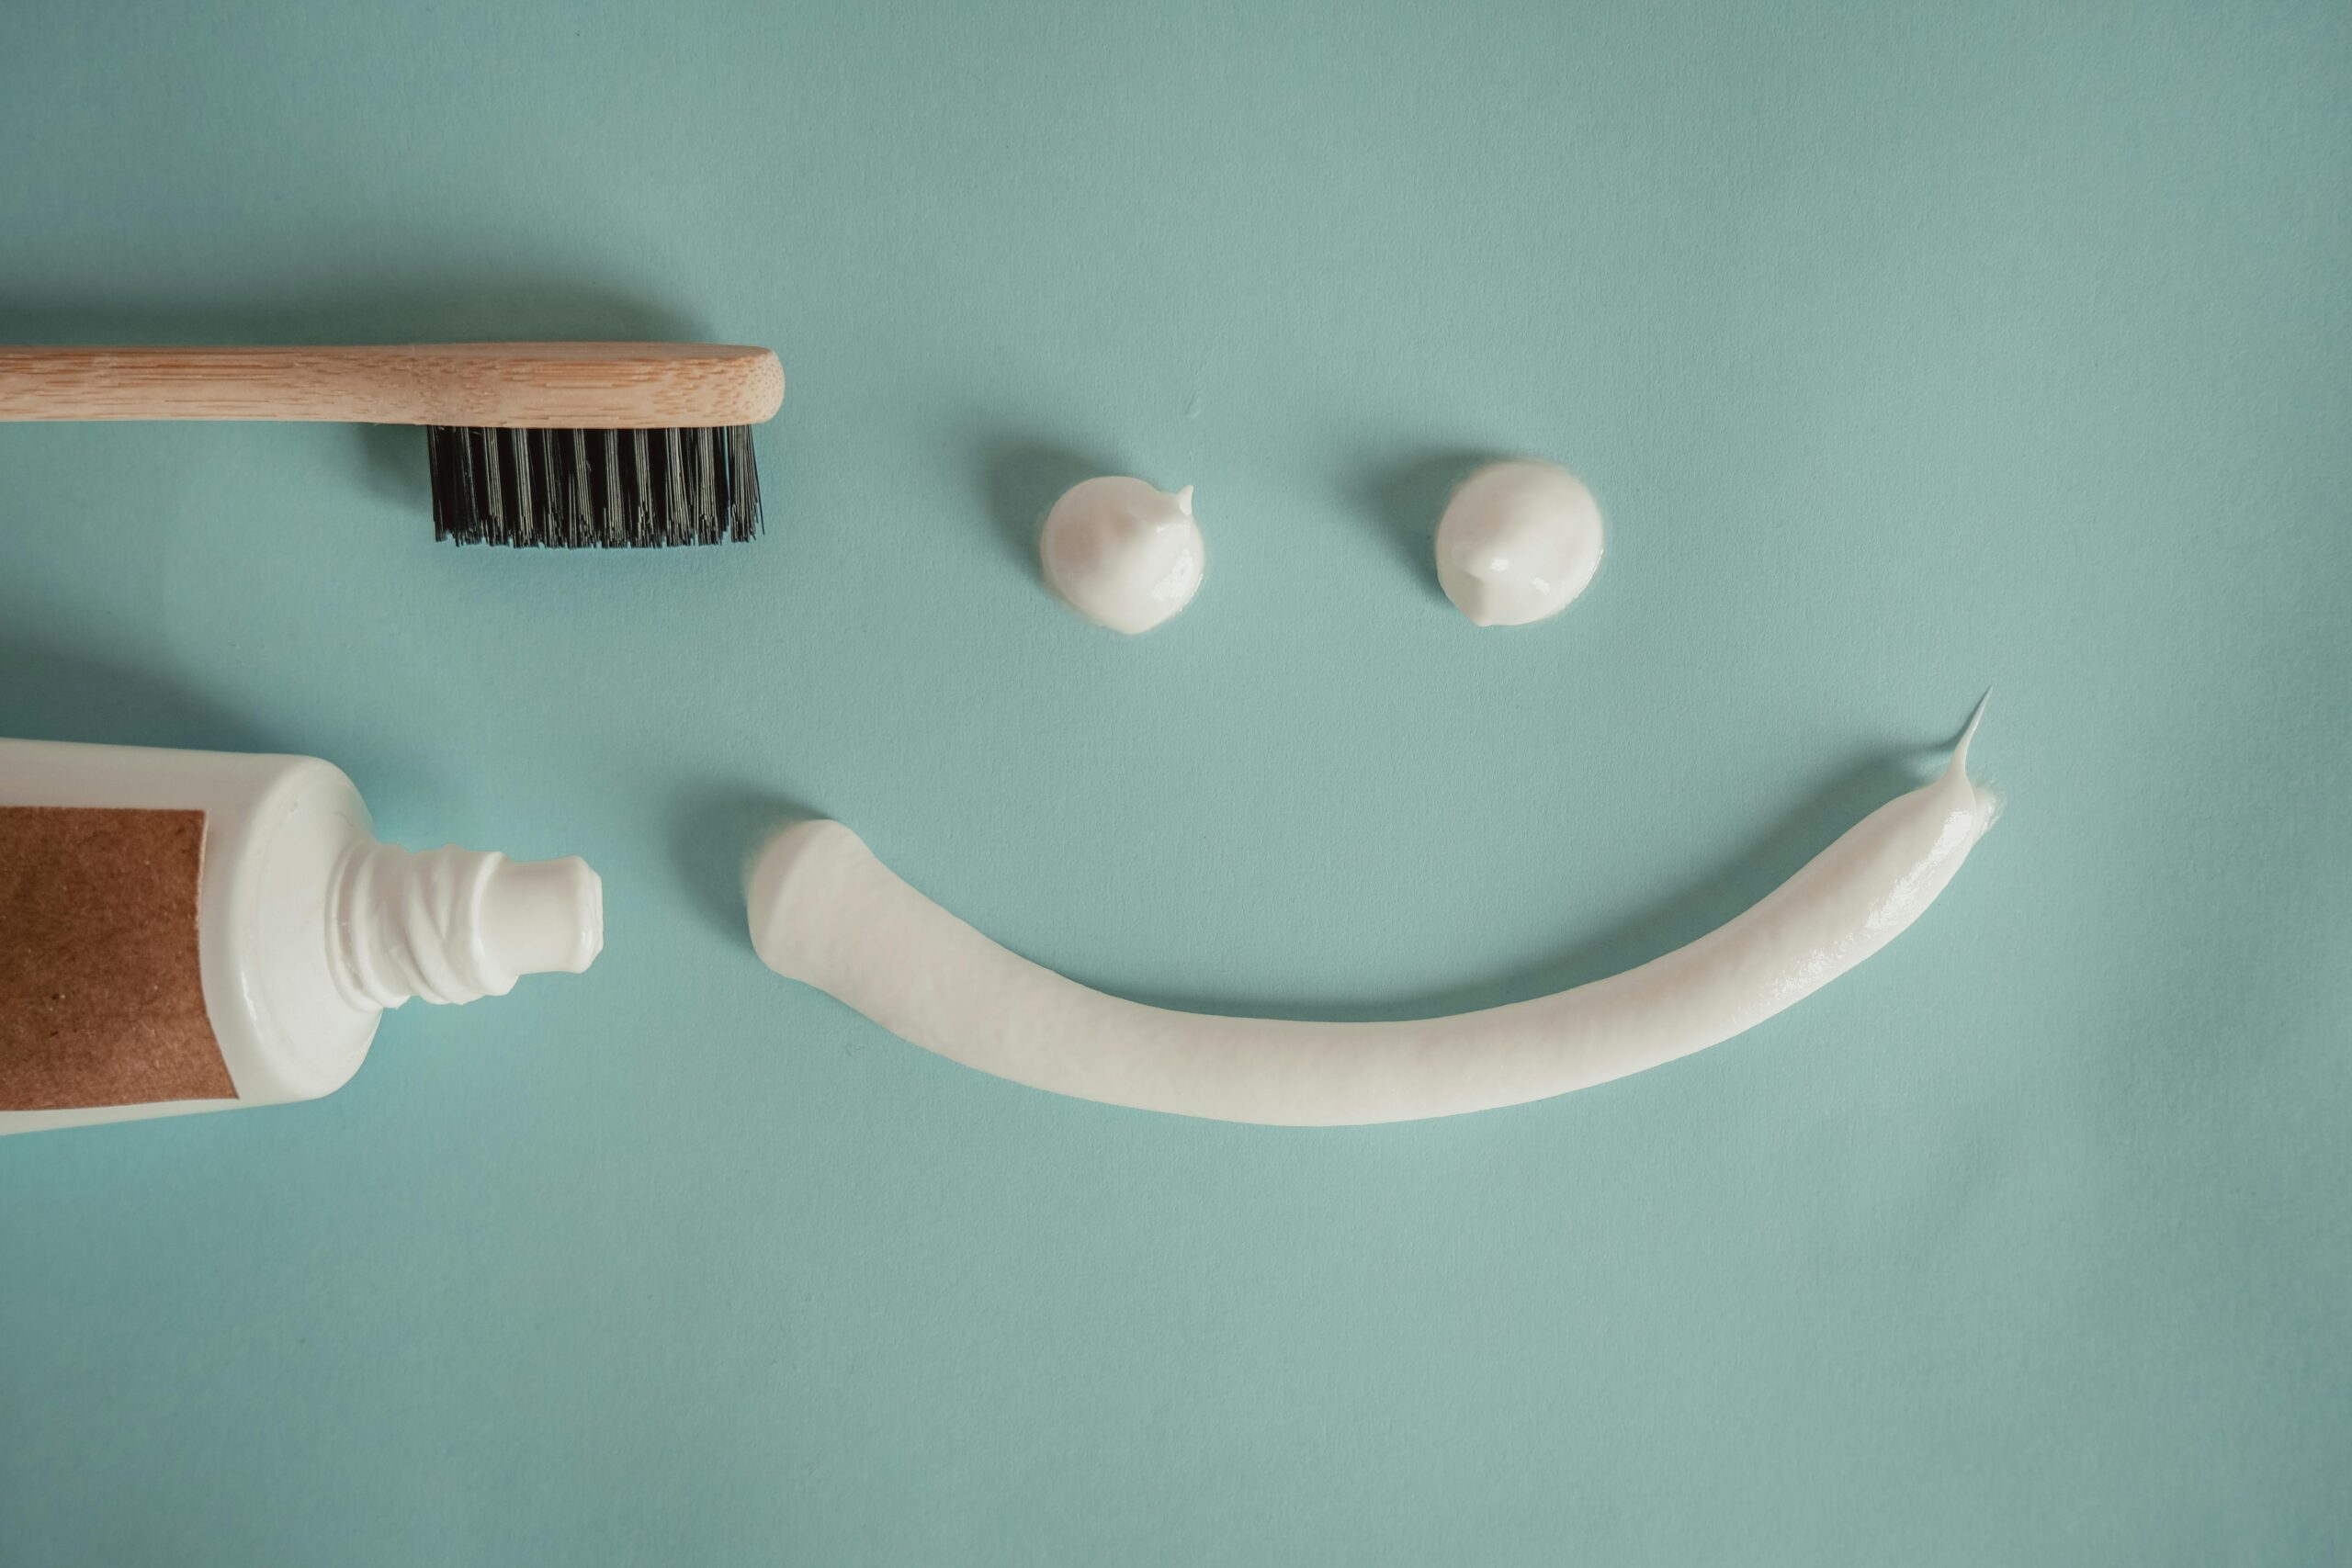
<point>543,386</point>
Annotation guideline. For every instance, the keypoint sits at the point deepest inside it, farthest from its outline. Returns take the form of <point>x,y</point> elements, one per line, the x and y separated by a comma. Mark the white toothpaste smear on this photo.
<point>825,911</point>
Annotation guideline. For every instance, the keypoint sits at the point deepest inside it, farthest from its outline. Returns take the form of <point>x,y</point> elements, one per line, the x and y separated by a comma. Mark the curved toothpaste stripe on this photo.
<point>825,911</point>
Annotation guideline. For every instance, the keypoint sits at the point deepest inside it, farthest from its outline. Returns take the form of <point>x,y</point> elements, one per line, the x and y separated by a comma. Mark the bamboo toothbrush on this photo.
<point>566,445</point>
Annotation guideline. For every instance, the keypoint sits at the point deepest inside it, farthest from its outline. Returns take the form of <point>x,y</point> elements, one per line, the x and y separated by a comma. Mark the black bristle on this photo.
<point>670,473</point>
<point>586,489</point>
<point>640,488</point>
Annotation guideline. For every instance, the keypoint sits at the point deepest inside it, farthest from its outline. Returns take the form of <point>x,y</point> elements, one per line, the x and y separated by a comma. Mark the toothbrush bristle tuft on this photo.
<point>592,489</point>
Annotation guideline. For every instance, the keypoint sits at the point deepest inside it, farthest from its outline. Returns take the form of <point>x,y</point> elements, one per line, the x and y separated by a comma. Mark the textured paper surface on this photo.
<point>101,992</point>
<point>1908,347</point>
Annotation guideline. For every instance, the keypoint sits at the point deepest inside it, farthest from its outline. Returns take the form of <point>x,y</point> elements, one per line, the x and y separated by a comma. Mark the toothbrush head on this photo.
<point>589,488</point>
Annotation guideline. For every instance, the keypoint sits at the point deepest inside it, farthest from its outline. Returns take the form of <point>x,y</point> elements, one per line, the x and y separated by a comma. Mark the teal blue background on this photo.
<point>1910,349</point>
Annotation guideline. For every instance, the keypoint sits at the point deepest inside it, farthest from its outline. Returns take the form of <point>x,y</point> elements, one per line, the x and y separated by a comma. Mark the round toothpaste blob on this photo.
<point>1518,541</point>
<point>1122,553</point>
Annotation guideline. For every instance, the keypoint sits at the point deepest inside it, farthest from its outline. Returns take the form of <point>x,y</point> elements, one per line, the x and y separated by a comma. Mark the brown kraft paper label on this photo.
<point>101,996</point>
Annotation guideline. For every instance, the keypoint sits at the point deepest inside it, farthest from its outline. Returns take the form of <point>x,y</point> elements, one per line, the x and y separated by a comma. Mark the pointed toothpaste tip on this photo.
<point>1957,766</point>
<point>1184,501</point>
<point>1967,731</point>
